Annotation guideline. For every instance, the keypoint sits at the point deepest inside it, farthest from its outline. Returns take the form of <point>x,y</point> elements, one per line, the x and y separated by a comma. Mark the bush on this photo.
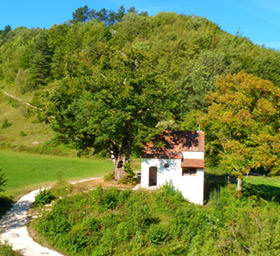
<point>55,224</point>
<point>78,239</point>
<point>109,176</point>
<point>6,250</point>
<point>128,179</point>
<point>44,197</point>
<point>157,234</point>
<point>129,176</point>
<point>22,133</point>
<point>109,199</point>
<point>6,124</point>
<point>61,188</point>
<point>168,198</point>
<point>140,213</point>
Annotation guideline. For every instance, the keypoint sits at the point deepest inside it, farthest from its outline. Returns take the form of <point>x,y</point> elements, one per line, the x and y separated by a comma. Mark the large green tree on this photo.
<point>116,108</point>
<point>242,125</point>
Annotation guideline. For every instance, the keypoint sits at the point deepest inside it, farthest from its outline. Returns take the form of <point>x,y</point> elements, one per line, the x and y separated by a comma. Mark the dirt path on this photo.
<point>13,227</point>
<point>20,100</point>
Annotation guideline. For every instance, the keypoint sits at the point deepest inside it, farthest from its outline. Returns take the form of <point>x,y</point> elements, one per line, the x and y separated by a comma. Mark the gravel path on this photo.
<point>14,231</point>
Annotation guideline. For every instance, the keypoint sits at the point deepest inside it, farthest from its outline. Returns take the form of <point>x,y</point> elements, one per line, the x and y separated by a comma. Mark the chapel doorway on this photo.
<point>153,176</point>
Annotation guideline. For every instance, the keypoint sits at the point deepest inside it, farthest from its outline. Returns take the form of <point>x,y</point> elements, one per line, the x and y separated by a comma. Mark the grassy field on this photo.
<point>24,170</point>
<point>261,180</point>
<point>23,130</point>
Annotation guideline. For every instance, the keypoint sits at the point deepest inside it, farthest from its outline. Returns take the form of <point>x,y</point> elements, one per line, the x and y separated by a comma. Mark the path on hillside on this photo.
<point>20,100</point>
<point>13,227</point>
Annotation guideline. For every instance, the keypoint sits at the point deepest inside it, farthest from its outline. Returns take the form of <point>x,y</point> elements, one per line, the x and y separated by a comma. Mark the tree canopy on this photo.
<point>243,121</point>
<point>108,17</point>
<point>115,110</point>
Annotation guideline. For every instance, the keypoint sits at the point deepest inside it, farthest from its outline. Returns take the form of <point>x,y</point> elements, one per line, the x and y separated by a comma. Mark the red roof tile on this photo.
<point>171,144</point>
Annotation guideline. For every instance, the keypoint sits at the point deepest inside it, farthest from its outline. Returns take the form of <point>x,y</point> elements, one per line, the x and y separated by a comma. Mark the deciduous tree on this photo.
<point>243,122</point>
<point>114,110</point>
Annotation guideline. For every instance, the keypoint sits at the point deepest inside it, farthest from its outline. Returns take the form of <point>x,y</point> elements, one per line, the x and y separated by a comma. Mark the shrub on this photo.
<point>44,197</point>
<point>6,124</point>
<point>157,234</point>
<point>56,223</point>
<point>6,250</point>
<point>129,177</point>
<point>77,239</point>
<point>61,188</point>
<point>141,214</point>
<point>109,199</point>
<point>22,133</point>
<point>168,198</point>
<point>109,176</point>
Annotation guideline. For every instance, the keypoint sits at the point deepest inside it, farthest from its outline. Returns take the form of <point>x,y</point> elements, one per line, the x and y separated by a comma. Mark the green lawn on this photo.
<point>261,180</point>
<point>24,170</point>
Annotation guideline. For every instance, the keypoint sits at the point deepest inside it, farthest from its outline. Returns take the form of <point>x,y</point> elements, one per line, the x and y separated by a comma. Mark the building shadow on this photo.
<point>214,182</point>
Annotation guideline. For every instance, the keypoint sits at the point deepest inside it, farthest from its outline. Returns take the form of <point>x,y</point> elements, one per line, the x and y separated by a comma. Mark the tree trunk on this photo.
<point>239,187</point>
<point>119,171</point>
<point>122,154</point>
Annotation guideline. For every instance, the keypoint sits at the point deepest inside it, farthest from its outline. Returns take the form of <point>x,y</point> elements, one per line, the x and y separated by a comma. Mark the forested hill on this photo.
<point>172,58</point>
<point>190,50</point>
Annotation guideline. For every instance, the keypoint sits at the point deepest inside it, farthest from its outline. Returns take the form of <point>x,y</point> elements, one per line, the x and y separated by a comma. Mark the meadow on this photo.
<point>24,171</point>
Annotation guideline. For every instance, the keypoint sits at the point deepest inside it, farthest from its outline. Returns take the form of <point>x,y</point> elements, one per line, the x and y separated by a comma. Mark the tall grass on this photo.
<point>6,250</point>
<point>119,222</point>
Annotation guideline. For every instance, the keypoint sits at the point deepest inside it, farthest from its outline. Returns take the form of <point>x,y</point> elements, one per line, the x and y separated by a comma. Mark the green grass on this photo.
<point>6,250</point>
<point>24,170</point>
<point>119,222</point>
<point>21,123</point>
<point>260,180</point>
<point>218,175</point>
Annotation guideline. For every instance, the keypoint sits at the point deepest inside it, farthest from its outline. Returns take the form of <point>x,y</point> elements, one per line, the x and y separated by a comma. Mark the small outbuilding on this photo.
<point>175,157</point>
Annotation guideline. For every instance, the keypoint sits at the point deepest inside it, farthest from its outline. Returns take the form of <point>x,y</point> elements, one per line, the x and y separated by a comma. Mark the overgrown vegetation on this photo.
<point>6,250</point>
<point>120,222</point>
<point>6,124</point>
<point>106,82</point>
<point>44,197</point>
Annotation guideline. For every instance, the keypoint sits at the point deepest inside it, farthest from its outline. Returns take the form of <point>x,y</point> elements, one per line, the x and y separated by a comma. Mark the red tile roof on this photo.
<point>171,144</point>
<point>192,163</point>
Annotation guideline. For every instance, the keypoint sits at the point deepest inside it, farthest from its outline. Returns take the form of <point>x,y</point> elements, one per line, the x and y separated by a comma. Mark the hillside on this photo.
<point>122,222</point>
<point>187,53</point>
<point>22,131</point>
